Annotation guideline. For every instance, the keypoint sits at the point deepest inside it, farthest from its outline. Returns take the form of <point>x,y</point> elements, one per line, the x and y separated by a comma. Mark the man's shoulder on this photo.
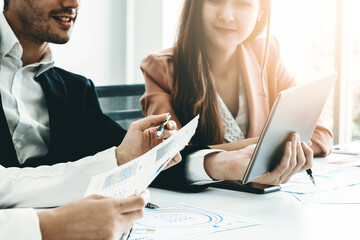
<point>67,77</point>
<point>67,74</point>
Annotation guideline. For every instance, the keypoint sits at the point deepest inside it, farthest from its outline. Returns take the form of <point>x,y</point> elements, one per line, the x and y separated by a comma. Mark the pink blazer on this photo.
<point>158,70</point>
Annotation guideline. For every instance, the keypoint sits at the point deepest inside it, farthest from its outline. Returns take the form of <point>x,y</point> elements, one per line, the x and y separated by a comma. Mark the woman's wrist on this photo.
<point>227,165</point>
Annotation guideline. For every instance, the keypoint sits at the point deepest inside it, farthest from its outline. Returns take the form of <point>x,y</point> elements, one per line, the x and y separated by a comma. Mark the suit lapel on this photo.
<point>8,157</point>
<point>56,96</point>
<point>257,102</point>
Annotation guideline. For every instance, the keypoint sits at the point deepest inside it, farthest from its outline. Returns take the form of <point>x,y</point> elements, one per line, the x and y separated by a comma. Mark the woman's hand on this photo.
<point>297,157</point>
<point>232,165</point>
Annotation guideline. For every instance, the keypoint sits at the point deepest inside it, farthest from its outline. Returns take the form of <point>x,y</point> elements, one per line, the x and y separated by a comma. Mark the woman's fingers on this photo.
<point>276,175</point>
<point>309,156</point>
<point>299,159</point>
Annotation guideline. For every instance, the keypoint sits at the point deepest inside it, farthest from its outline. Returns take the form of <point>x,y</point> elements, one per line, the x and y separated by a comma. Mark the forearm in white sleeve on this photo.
<point>194,167</point>
<point>49,186</point>
<point>19,224</point>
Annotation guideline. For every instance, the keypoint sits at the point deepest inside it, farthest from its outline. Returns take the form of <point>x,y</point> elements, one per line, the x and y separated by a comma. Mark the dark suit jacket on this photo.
<point>78,128</point>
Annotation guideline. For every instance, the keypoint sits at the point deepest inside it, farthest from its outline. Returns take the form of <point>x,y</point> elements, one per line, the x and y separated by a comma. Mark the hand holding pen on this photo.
<point>142,136</point>
<point>161,128</point>
<point>167,123</point>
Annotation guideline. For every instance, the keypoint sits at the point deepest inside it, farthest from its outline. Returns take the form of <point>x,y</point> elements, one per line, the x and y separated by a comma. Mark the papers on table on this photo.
<point>136,175</point>
<point>327,177</point>
<point>337,182</point>
<point>345,195</point>
<point>180,221</point>
<point>351,161</point>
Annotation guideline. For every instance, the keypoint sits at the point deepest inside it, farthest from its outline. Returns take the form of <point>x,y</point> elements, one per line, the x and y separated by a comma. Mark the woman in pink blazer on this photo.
<point>221,69</point>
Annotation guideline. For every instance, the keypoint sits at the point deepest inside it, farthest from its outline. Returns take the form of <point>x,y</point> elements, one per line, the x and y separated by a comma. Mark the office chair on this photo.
<point>121,102</point>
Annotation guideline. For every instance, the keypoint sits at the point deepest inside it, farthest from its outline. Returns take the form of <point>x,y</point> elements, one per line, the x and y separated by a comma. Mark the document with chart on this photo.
<point>136,175</point>
<point>179,221</point>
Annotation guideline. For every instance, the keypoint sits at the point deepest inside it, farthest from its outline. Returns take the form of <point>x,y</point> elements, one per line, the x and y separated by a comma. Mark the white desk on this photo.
<point>283,216</point>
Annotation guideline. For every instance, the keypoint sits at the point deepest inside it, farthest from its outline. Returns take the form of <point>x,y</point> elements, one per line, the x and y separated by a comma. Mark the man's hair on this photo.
<point>6,5</point>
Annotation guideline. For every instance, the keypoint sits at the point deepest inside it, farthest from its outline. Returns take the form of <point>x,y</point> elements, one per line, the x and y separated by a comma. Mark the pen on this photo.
<point>151,205</point>
<point>161,128</point>
<point>309,172</point>
<point>126,235</point>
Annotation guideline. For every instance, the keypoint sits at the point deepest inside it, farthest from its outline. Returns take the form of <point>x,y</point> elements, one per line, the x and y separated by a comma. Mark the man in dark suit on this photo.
<point>53,134</point>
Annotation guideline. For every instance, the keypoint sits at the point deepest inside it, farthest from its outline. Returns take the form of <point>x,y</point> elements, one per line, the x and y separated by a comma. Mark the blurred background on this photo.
<point>316,37</point>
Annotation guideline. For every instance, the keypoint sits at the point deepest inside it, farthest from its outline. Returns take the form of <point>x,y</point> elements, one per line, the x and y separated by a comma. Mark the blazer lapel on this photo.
<point>258,103</point>
<point>8,157</point>
<point>56,96</point>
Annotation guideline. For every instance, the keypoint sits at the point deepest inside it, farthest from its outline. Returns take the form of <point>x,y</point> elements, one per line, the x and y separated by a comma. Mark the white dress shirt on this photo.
<point>22,98</point>
<point>25,108</point>
<point>19,224</point>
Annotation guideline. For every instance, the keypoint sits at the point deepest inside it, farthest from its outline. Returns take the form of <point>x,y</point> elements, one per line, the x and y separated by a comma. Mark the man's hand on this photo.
<point>94,217</point>
<point>141,137</point>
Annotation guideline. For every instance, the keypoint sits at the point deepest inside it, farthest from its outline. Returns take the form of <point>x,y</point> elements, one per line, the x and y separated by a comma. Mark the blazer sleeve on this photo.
<point>175,177</point>
<point>158,73</point>
<point>99,131</point>
<point>322,136</point>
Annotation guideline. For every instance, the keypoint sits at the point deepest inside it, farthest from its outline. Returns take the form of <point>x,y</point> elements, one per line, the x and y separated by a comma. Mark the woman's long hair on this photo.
<point>194,89</point>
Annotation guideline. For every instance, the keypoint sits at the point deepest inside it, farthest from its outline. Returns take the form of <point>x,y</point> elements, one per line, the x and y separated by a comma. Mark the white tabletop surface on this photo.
<point>282,215</point>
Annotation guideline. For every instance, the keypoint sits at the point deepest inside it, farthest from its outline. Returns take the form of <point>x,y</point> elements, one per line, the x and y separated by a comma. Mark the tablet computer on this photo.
<point>296,109</point>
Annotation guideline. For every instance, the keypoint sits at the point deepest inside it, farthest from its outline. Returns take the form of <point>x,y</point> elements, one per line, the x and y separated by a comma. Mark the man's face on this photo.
<point>46,20</point>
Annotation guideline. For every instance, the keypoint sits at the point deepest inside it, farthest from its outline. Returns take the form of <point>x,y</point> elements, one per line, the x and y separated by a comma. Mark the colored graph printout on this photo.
<point>327,177</point>
<point>179,221</point>
<point>136,175</point>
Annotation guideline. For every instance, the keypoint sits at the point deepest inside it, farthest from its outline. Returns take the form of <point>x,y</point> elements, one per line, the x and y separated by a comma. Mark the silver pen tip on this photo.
<point>313,180</point>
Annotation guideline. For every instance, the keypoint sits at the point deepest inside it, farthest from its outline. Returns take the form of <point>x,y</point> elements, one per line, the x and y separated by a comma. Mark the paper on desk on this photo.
<point>179,221</point>
<point>136,175</point>
<point>327,176</point>
<point>352,161</point>
<point>346,195</point>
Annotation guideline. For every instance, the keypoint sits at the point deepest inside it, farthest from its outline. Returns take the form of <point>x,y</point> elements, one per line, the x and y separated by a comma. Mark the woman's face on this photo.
<point>227,23</point>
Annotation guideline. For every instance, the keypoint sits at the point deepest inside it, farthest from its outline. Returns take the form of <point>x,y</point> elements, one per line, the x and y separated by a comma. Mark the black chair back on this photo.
<point>121,102</point>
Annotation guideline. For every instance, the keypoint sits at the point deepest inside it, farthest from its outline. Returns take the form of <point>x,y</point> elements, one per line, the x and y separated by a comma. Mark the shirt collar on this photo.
<point>8,41</point>
<point>46,62</point>
<point>7,37</point>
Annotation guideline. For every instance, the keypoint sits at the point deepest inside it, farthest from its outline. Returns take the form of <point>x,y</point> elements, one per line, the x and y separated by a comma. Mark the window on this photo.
<point>355,67</point>
<point>306,33</point>
<point>110,39</point>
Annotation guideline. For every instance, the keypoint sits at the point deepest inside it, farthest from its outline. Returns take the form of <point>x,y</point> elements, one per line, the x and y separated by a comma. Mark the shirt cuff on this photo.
<point>194,167</point>
<point>19,224</point>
